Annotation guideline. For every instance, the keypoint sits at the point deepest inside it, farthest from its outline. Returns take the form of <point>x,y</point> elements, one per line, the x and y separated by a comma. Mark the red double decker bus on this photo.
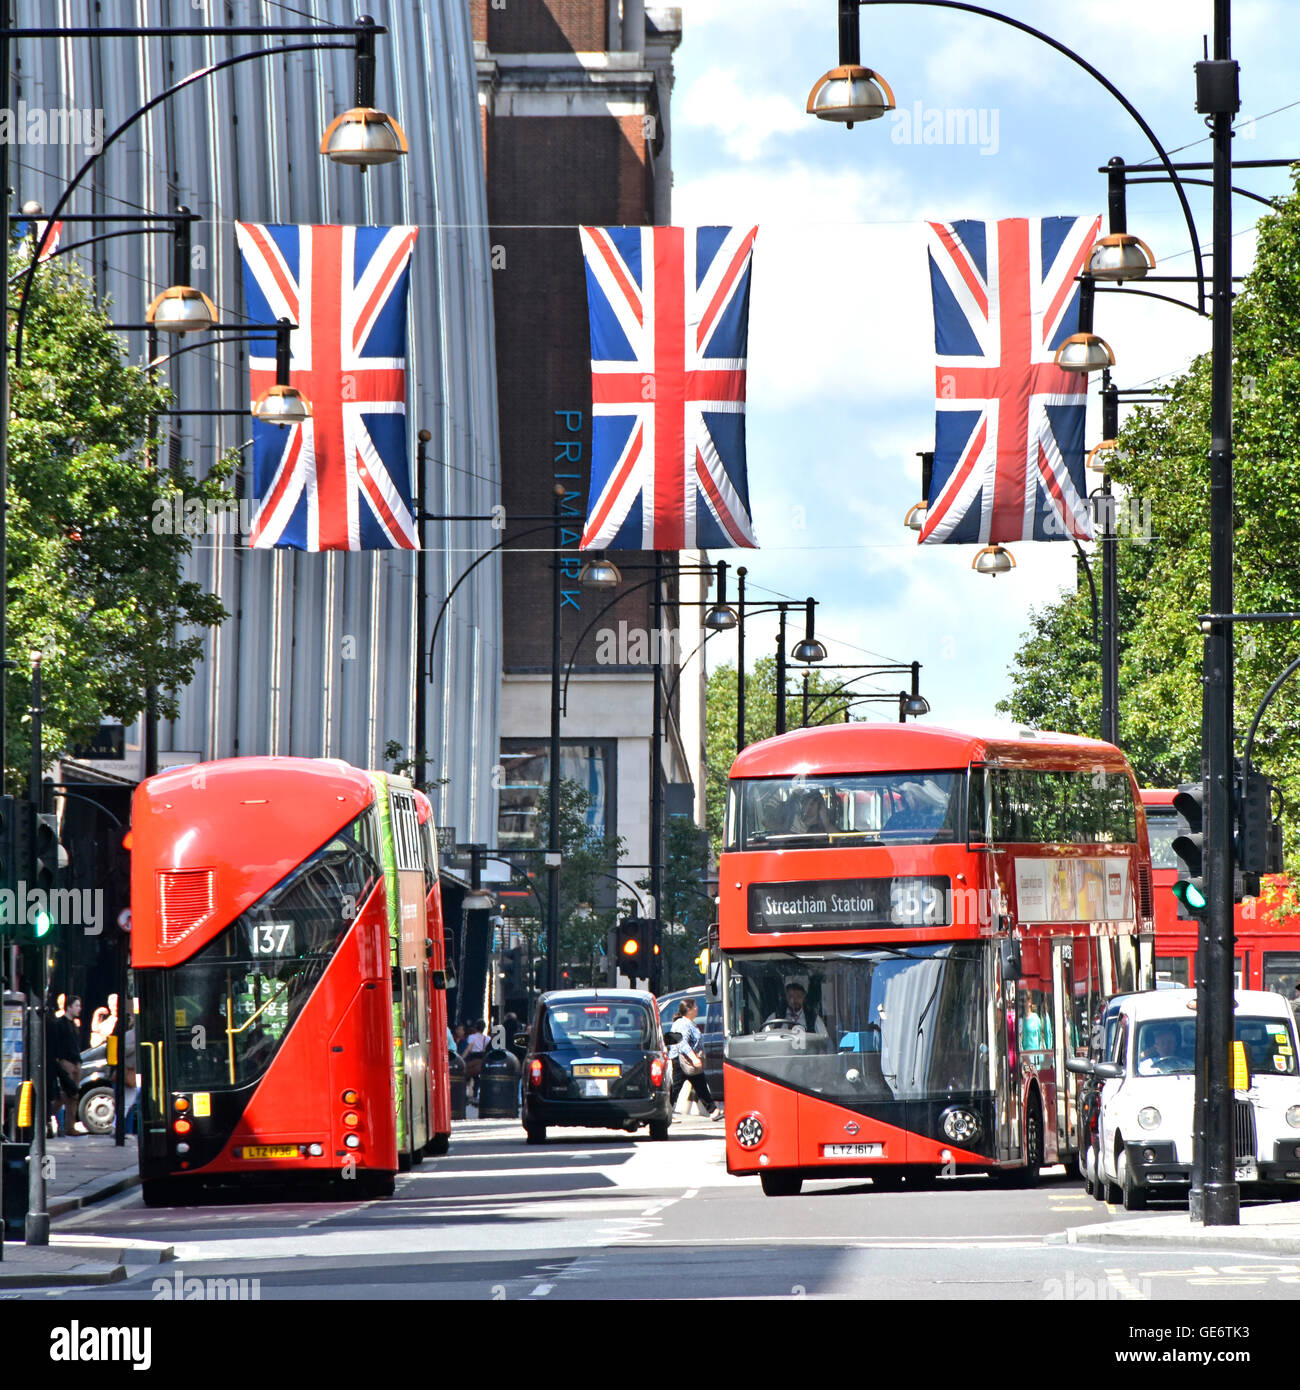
<point>287,944</point>
<point>1267,951</point>
<point>917,926</point>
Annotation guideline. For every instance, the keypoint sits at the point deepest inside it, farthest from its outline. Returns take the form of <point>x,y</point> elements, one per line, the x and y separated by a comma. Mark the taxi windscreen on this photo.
<point>598,1022</point>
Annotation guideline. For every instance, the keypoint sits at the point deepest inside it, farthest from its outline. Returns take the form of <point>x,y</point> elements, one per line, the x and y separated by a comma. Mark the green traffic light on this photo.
<point>42,923</point>
<point>1190,895</point>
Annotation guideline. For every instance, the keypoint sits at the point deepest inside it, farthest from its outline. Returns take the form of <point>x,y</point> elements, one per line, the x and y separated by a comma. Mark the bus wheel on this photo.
<point>782,1183</point>
<point>1028,1175</point>
<point>374,1185</point>
<point>404,1161</point>
<point>438,1145</point>
<point>163,1192</point>
<point>1135,1197</point>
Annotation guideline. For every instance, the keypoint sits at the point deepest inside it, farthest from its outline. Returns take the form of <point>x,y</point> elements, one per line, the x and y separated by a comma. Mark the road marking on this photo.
<point>1123,1285</point>
<point>690,1192</point>
<point>1227,1281</point>
<point>542,1290</point>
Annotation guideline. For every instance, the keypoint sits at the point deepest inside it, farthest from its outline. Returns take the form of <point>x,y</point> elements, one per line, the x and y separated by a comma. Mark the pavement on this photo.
<point>80,1170</point>
<point>1264,1226</point>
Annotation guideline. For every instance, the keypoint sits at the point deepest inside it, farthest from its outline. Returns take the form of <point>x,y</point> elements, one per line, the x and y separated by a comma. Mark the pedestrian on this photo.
<point>458,1036</point>
<point>103,1021</point>
<point>687,1055</point>
<point>476,1046</point>
<point>63,1066</point>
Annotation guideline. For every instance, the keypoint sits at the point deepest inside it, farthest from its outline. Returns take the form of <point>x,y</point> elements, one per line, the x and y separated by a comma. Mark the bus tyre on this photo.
<point>404,1161</point>
<point>1028,1175</point>
<point>536,1134</point>
<point>162,1192</point>
<point>377,1185</point>
<point>1135,1197</point>
<point>438,1145</point>
<point>659,1130</point>
<point>782,1183</point>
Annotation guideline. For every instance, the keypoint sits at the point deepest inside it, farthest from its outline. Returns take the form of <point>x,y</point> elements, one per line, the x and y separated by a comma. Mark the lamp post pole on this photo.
<point>656,766</point>
<point>1217,97</point>
<point>740,658</point>
<point>553,839</point>
<point>780,672</point>
<point>1109,576</point>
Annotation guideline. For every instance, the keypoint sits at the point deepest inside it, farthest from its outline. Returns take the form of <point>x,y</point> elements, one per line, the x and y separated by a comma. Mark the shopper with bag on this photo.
<point>688,1058</point>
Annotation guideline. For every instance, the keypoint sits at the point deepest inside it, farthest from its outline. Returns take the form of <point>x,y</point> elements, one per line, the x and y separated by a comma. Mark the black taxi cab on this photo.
<point>597,1059</point>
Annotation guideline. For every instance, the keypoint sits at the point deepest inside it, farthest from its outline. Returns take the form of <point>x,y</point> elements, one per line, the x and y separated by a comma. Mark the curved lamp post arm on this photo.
<point>196,76</point>
<point>1259,713</point>
<point>1152,294</point>
<point>94,241</point>
<point>1092,586</point>
<point>1119,96</point>
<point>582,636</point>
<point>492,550</point>
<point>672,689</point>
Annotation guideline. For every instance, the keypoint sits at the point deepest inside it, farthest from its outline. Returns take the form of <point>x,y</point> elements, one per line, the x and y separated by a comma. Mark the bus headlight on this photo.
<point>1148,1117</point>
<point>961,1126</point>
<point>750,1131</point>
<point>350,1141</point>
<point>1293,1117</point>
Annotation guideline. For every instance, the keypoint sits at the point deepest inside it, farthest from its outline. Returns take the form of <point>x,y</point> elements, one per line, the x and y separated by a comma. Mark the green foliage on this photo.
<point>1164,583</point>
<point>93,586</point>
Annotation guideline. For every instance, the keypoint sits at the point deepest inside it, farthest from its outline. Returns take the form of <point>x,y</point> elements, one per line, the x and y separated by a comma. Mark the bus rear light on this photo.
<point>350,1097</point>
<point>535,1072</point>
<point>751,1131</point>
<point>182,1148</point>
<point>351,1141</point>
<point>181,1103</point>
<point>182,1126</point>
<point>351,1119</point>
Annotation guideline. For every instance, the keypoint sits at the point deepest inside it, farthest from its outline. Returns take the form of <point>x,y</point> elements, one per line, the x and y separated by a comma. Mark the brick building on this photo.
<point>574,96</point>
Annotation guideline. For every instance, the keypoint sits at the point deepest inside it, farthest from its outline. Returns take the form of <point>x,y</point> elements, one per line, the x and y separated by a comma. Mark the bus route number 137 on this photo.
<point>271,938</point>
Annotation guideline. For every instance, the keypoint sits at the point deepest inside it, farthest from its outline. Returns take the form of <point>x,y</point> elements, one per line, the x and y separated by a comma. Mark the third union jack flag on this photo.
<point>1008,446</point>
<point>669,312</point>
<point>341,480</point>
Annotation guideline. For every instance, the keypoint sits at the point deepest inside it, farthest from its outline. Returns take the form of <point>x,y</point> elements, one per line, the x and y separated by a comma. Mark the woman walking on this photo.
<point>688,1058</point>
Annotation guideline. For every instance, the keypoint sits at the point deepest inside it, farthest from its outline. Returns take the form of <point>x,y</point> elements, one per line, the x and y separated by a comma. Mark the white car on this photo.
<point>1148,1083</point>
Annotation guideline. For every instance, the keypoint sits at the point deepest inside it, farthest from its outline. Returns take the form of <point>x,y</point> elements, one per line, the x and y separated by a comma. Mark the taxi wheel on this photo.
<point>536,1134</point>
<point>659,1129</point>
<point>782,1183</point>
<point>1135,1197</point>
<point>1112,1192</point>
<point>1098,1182</point>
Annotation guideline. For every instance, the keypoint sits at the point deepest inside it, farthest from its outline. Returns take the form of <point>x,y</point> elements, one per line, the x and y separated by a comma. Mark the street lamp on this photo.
<point>917,513</point>
<point>364,136</point>
<point>993,560</point>
<point>600,573</point>
<point>1084,351</point>
<point>850,93</point>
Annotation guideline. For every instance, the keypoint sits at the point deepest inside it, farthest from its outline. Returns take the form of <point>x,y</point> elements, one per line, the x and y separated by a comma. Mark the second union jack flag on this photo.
<point>1008,446</point>
<point>341,480</point>
<point>669,313</point>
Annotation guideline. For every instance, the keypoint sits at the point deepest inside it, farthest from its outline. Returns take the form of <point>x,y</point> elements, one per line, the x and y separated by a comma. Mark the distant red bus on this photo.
<point>917,926</point>
<point>1267,952</point>
<point>288,960</point>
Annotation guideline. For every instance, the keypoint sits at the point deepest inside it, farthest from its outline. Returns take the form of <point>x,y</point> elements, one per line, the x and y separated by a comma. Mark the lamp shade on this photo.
<point>600,573</point>
<point>850,93</point>
<point>809,650</point>
<point>993,560</point>
<point>916,705</point>
<point>720,618</point>
<point>363,136</point>
<point>180,309</point>
<point>282,405</point>
<point>1120,257</point>
<point>1084,352</point>
<point>915,518</point>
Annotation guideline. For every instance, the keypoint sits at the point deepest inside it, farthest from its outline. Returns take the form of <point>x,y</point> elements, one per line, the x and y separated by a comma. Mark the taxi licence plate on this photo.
<point>853,1150</point>
<point>595,1088</point>
<point>270,1151</point>
<point>1247,1172</point>
<point>595,1071</point>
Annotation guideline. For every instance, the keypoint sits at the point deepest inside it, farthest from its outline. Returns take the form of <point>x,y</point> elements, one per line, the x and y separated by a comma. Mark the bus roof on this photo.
<point>915,748</point>
<point>1158,796</point>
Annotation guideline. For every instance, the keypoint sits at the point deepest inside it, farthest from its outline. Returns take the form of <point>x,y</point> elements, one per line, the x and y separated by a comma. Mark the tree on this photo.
<point>760,723</point>
<point>687,908</point>
<point>1164,580</point>
<point>94,581</point>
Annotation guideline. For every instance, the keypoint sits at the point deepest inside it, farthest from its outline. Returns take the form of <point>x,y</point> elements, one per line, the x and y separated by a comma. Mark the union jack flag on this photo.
<point>669,313</point>
<point>341,480</point>
<point>1008,447</point>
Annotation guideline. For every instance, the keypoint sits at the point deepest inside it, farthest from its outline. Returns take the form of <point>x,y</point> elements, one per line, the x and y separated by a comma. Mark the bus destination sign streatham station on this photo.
<point>849,902</point>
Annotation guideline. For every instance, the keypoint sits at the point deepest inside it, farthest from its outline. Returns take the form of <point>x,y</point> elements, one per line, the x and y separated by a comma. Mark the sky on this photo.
<point>841,342</point>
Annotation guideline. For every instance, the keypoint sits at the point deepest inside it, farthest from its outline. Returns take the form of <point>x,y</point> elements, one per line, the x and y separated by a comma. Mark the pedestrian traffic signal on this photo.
<point>1189,846</point>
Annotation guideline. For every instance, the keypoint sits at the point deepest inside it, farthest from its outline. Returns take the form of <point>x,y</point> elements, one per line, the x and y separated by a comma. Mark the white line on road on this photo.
<point>542,1290</point>
<point>690,1192</point>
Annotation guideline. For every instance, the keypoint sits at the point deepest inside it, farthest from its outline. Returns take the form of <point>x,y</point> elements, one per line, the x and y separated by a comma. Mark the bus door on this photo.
<point>151,1056</point>
<point>1065,1027</point>
<point>1036,1009</point>
<point>411,977</point>
<point>1006,1064</point>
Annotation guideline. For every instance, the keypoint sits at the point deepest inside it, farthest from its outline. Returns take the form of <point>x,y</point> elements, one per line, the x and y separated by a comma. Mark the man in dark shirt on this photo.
<point>63,1063</point>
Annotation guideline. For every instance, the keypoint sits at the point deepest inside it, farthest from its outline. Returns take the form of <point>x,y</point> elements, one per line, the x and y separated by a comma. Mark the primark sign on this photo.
<point>850,902</point>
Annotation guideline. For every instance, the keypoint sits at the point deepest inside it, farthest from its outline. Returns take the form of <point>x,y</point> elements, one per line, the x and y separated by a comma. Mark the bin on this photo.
<point>498,1086</point>
<point>456,1072</point>
<point>15,1189</point>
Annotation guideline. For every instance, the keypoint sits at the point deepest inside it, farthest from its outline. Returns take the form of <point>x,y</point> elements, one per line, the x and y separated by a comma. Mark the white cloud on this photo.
<point>745,118</point>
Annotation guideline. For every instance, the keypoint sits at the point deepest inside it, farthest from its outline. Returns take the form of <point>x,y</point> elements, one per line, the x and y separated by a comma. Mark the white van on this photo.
<point>1148,1083</point>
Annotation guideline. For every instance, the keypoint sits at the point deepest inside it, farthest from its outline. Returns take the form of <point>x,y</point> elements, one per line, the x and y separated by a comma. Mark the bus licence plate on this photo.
<point>853,1150</point>
<point>270,1151</point>
<point>595,1071</point>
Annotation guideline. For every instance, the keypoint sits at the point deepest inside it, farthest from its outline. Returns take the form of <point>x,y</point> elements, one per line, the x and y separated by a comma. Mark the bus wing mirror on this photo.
<point>713,971</point>
<point>438,979</point>
<point>1009,950</point>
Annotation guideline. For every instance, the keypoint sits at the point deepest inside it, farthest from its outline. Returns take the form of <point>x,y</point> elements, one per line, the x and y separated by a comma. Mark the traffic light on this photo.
<point>1259,836</point>
<point>9,874</point>
<point>1189,846</point>
<point>513,972</point>
<point>50,856</point>
<point>629,948</point>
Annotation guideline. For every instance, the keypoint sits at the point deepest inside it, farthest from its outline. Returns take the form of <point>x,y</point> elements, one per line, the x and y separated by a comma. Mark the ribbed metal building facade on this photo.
<point>320,655</point>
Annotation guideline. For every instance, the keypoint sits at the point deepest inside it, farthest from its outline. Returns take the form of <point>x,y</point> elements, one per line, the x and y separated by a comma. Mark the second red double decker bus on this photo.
<point>287,944</point>
<point>917,926</point>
